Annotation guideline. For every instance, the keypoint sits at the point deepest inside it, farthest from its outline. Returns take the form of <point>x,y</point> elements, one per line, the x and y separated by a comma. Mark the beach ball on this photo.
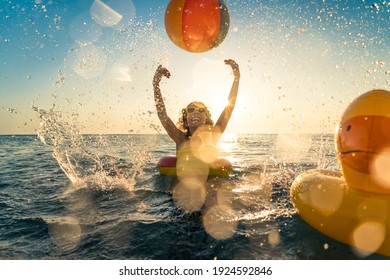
<point>363,142</point>
<point>197,25</point>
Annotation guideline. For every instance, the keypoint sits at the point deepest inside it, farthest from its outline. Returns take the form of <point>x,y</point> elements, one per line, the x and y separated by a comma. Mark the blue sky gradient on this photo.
<point>301,63</point>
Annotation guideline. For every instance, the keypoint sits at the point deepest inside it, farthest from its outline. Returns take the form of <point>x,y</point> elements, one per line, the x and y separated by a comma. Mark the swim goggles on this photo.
<point>191,110</point>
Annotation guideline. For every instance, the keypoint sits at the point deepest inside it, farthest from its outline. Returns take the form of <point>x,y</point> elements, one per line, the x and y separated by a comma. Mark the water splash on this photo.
<point>86,159</point>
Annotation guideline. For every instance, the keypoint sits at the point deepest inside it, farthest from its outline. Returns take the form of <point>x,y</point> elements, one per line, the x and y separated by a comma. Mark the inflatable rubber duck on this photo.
<point>353,206</point>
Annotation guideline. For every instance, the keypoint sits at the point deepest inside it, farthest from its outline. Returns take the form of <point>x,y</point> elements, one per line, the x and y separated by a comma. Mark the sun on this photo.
<point>212,81</point>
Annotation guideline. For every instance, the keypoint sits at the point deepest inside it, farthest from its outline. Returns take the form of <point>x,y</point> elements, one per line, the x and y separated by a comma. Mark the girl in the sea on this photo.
<point>196,137</point>
<point>196,116</point>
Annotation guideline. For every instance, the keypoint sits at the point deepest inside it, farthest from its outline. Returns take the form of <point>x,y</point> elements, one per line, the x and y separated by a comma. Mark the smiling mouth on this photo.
<point>360,160</point>
<point>359,151</point>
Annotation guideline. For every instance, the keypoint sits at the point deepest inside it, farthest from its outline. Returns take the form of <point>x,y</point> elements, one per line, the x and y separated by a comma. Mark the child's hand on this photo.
<point>160,72</point>
<point>234,65</point>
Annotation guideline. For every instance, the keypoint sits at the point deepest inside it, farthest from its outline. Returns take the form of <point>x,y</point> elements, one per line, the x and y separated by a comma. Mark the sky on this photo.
<point>302,62</point>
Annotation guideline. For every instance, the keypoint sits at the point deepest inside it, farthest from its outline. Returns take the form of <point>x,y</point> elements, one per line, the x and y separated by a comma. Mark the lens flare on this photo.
<point>189,194</point>
<point>368,236</point>
<point>104,14</point>
<point>190,166</point>
<point>115,14</point>
<point>84,30</point>
<point>220,222</point>
<point>65,234</point>
<point>322,192</point>
<point>379,169</point>
<point>274,238</point>
<point>89,62</point>
<point>203,144</point>
<point>372,208</point>
<point>225,193</point>
<point>327,200</point>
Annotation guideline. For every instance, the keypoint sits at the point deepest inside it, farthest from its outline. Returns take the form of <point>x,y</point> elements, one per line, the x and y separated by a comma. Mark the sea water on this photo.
<point>64,195</point>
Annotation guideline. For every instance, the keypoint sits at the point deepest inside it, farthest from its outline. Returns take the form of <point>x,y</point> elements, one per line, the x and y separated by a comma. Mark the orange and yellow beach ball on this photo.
<point>197,25</point>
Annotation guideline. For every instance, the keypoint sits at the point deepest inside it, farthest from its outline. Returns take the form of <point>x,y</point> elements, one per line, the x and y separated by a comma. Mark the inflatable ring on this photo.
<point>353,206</point>
<point>324,200</point>
<point>167,166</point>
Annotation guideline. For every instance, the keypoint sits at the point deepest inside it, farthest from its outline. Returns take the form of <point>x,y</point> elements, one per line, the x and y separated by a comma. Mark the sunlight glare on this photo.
<point>228,143</point>
<point>211,81</point>
<point>292,147</point>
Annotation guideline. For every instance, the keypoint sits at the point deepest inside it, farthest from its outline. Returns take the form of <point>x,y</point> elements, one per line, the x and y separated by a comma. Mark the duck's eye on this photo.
<point>349,127</point>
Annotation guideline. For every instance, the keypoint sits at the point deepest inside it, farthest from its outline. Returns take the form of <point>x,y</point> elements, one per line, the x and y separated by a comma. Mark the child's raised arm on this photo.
<point>160,72</point>
<point>227,112</point>
<point>167,123</point>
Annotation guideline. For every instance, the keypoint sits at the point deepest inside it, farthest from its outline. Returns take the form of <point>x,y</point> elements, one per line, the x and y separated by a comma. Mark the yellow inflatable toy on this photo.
<point>353,207</point>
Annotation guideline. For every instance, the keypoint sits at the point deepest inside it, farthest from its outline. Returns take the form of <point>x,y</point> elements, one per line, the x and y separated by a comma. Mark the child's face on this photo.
<point>196,116</point>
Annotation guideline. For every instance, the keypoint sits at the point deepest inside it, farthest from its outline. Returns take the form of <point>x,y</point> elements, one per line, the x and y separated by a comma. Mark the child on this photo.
<point>196,114</point>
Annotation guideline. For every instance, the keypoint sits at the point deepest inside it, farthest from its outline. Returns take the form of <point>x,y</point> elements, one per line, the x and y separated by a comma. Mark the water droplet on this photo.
<point>381,63</point>
<point>375,6</point>
<point>57,19</point>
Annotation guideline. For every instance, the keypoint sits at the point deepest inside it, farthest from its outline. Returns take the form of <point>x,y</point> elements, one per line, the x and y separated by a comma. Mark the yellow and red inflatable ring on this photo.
<point>167,166</point>
<point>358,218</point>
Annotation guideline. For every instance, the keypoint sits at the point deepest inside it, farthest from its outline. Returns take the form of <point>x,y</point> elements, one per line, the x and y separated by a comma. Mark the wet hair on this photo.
<point>182,123</point>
